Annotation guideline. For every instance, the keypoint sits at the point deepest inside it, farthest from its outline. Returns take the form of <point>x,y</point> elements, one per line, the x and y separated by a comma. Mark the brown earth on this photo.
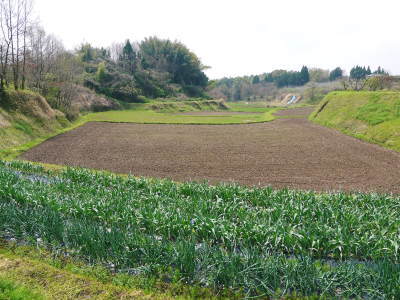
<point>292,153</point>
<point>215,113</point>
<point>296,112</point>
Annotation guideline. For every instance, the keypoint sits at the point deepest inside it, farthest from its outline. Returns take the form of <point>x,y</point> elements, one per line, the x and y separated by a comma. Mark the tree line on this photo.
<point>268,86</point>
<point>152,68</point>
<point>359,72</point>
<point>288,78</point>
<point>127,71</point>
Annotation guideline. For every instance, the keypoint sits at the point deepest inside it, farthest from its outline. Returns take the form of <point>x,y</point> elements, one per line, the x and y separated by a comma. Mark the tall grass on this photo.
<point>256,240</point>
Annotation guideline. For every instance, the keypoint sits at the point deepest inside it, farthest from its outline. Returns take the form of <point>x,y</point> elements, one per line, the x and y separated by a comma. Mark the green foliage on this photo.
<point>256,79</point>
<point>247,239</point>
<point>9,290</point>
<point>377,111</point>
<point>101,72</point>
<point>379,82</point>
<point>23,126</point>
<point>87,53</point>
<point>158,68</point>
<point>286,78</point>
<point>164,113</point>
<point>319,75</point>
<point>372,116</point>
<point>182,65</point>
<point>128,58</point>
<point>304,75</point>
<point>380,71</point>
<point>359,72</point>
<point>314,94</point>
<point>335,74</point>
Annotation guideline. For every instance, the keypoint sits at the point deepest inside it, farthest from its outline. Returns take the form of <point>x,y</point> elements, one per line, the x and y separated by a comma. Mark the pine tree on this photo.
<point>128,57</point>
<point>256,79</point>
<point>335,74</point>
<point>87,53</point>
<point>358,72</point>
<point>305,75</point>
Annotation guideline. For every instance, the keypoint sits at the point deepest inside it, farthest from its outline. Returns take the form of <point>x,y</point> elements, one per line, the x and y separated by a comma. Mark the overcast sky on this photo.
<point>241,37</point>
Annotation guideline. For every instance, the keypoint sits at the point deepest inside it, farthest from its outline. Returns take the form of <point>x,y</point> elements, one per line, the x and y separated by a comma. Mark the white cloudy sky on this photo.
<point>241,37</point>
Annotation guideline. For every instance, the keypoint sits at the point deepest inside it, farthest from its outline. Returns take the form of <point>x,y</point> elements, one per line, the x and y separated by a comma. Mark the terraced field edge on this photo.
<point>371,116</point>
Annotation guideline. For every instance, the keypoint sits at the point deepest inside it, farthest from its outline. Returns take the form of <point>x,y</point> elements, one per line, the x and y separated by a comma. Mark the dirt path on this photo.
<point>292,153</point>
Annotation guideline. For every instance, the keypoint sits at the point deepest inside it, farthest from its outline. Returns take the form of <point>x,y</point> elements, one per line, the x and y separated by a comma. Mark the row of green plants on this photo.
<point>255,241</point>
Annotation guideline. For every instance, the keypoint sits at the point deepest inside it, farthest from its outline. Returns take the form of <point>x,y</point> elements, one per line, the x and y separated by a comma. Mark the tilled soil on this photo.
<point>296,112</point>
<point>215,113</point>
<point>293,153</point>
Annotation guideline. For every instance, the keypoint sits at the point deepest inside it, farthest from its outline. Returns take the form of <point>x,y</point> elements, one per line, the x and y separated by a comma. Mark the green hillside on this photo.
<point>25,116</point>
<point>371,116</point>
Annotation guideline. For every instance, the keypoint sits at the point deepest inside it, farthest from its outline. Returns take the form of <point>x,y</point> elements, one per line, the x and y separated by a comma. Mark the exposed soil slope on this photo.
<point>292,153</point>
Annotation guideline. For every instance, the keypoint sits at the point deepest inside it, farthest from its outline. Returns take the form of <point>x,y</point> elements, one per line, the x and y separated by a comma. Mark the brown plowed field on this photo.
<point>296,112</point>
<point>215,113</point>
<point>292,153</point>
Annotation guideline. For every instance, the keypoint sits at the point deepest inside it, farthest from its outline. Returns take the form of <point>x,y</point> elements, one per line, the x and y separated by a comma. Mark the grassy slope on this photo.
<point>32,274</point>
<point>11,290</point>
<point>25,117</point>
<point>371,116</point>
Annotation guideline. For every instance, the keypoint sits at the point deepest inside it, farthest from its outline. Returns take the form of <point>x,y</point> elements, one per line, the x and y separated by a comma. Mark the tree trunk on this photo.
<point>24,53</point>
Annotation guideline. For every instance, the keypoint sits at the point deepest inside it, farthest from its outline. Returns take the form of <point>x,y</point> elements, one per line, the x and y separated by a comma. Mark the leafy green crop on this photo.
<point>257,240</point>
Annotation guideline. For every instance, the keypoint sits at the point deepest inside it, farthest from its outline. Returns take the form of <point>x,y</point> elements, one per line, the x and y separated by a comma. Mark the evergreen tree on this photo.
<point>128,58</point>
<point>369,71</point>
<point>305,75</point>
<point>381,71</point>
<point>87,53</point>
<point>335,74</point>
<point>358,72</point>
<point>269,77</point>
<point>256,79</point>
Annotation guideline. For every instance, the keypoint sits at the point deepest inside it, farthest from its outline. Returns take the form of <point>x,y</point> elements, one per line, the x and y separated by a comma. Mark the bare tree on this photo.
<point>14,21</point>
<point>5,43</point>
<point>116,51</point>
<point>44,53</point>
<point>26,22</point>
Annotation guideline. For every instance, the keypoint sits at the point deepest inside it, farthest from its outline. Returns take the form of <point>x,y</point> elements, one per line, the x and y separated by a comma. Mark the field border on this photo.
<point>13,153</point>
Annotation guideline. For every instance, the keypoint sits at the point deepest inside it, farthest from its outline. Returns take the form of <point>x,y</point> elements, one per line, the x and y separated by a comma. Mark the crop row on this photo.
<point>256,239</point>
